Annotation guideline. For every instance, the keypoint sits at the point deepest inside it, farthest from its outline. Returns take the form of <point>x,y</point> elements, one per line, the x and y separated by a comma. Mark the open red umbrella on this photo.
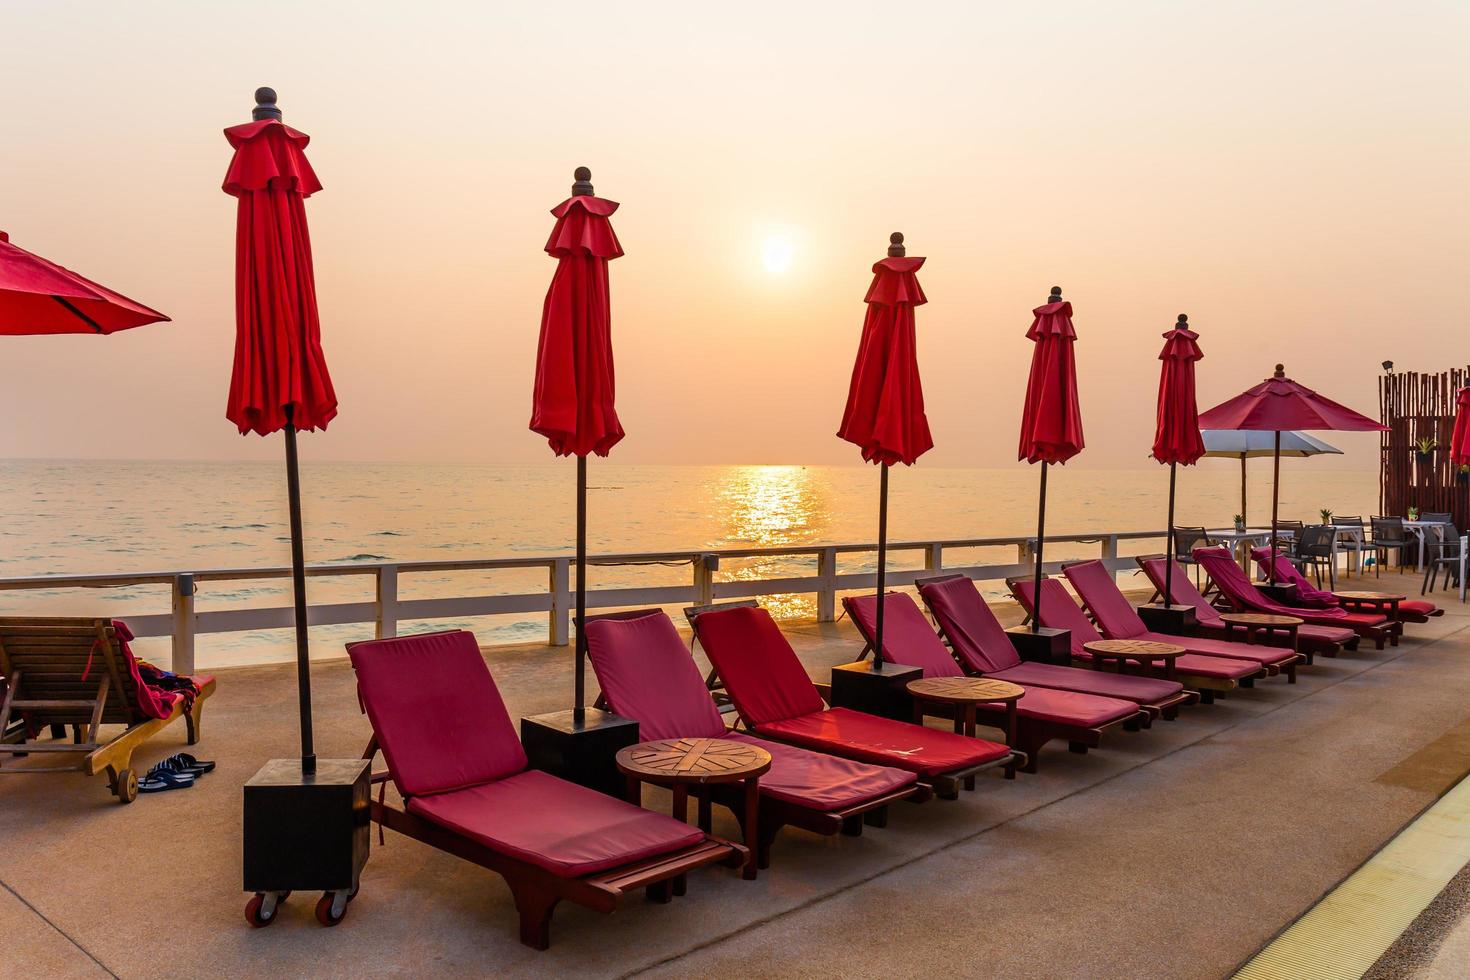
<point>37,296</point>
<point>572,405</point>
<point>885,399</point>
<point>1051,422</point>
<point>1279,405</point>
<point>1177,438</point>
<point>280,380</point>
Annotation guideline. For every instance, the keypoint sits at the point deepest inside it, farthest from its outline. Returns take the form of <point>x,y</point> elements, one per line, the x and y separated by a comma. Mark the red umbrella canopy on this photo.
<point>1460,438</point>
<point>1279,404</point>
<point>37,296</point>
<point>885,399</point>
<point>573,402</point>
<point>1177,437</point>
<point>279,362</point>
<point>1051,423</point>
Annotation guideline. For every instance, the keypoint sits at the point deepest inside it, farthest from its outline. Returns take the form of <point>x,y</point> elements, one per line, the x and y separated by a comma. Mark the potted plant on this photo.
<point>1413,513</point>
<point>1240,521</point>
<point>1326,515</point>
<point>1424,450</point>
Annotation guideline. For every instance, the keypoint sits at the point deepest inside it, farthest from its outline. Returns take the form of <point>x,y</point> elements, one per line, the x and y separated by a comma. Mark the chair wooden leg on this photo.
<point>535,903</point>
<point>194,720</point>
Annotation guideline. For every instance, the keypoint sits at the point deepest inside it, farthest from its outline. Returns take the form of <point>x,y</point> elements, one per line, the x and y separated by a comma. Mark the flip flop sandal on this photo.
<point>186,764</point>
<point>159,780</point>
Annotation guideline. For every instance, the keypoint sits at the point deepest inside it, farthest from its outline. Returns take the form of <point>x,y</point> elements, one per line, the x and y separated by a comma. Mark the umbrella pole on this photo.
<point>1040,548</point>
<point>298,586</point>
<point>1275,499</point>
<point>882,564</point>
<point>1169,543</point>
<point>1242,491</point>
<point>579,711</point>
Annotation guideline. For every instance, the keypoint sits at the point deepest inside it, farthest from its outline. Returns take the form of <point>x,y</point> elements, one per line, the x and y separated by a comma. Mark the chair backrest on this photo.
<point>1437,518</point>
<point>1182,590</point>
<point>64,659</point>
<point>907,636</point>
<point>1059,611</point>
<point>760,670</point>
<point>1315,541</point>
<point>1289,525</point>
<point>1338,520</point>
<point>967,620</point>
<point>1115,615</point>
<point>1186,539</point>
<point>647,674</point>
<point>1389,530</point>
<point>435,709</point>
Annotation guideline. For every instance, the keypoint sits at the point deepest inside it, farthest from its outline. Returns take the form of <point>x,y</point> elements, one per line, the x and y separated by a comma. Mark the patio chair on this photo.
<point>1437,517</point>
<point>1245,597</point>
<point>777,700</point>
<point>1042,714</point>
<point>81,673</point>
<point>647,674</point>
<point>1118,620</point>
<point>1186,539</point>
<point>1207,675</point>
<point>984,649</point>
<point>1311,640</point>
<point>1389,534</point>
<point>1315,549</point>
<point>1442,555</point>
<point>453,755</point>
<point>1288,537</point>
<point>1308,597</point>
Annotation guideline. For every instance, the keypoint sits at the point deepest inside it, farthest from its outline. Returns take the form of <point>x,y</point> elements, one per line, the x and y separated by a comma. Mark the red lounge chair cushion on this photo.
<point>567,829</point>
<point>1206,647</point>
<point>647,674</point>
<point>818,781</point>
<point>760,670</point>
<point>1066,708</point>
<point>1184,592</point>
<point>1222,668</point>
<point>1059,611</point>
<point>1238,589</point>
<point>977,636</point>
<point>884,742</point>
<point>907,636</point>
<point>1142,690</point>
<point>436,711</point>
<point>1417,607</point>
<point>1308,596</point>
<point>1115,615</point>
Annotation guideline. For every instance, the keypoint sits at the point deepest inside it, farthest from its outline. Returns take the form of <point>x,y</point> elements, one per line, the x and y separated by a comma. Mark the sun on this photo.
<point>777,254</point>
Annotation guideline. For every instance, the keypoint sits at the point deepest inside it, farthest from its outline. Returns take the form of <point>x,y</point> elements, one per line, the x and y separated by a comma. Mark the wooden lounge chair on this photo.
<point>1312,640</point>
<point>983,649</point>
<point>1207,675</point>
<point>1308,597</point>
<point>647,674</point>
<point>1245,597</point>
<point>80,673</point>
<point>454,758</point>
<point>1118,620</point>
<point>777,700</point>
<point>1042,714</point>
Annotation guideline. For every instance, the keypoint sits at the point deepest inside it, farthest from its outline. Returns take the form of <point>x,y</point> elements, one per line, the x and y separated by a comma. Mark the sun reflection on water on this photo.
<point>769,507</point>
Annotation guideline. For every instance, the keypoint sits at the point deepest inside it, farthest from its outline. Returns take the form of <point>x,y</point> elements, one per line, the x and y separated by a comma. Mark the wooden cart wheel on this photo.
<point>331,908</point>
<point>127,786</point>
<point>255,913</point>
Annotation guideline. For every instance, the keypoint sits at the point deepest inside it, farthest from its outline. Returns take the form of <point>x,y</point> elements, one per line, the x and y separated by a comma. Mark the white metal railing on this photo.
<point>183,622</point>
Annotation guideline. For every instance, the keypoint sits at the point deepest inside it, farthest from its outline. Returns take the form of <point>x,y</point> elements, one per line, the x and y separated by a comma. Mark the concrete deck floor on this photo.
<point>1177,851</point>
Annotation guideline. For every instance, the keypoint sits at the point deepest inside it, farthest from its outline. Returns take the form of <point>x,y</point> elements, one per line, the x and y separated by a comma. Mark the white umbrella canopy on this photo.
<point>1243,444</point>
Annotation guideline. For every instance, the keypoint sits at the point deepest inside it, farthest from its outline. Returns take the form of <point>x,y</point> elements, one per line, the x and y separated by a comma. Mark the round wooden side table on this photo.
<point>1385,603</point>
<point>963,695</point>
<point>680,763</point>
<point>1146,652</point>
<point>1253,623</point>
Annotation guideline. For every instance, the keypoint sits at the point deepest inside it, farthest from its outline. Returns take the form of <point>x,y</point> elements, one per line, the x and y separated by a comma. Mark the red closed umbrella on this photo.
<point>1460,437</point>
<point>1051,421</point>
<point>1177,438</point>
<point>37,296</point>
<point>884,416</point>
<point>280,380</point>
<point>1279,405</point>
<point>572,404</point>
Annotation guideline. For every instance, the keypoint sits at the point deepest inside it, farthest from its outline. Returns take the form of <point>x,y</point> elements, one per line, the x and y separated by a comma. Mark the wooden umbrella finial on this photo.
<point>1056,295</point>
<point>895,246</point>
<point>582,182</point>
<point>265,105</point>
<point>1280,371</point>
<point>1183,322</point>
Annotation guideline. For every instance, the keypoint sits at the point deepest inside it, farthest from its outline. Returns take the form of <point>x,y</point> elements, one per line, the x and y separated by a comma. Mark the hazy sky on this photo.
<point>1292,175</point>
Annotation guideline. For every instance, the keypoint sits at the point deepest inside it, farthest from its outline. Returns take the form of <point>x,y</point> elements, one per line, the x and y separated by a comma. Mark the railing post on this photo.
<point>827,589</point>
<point>705,567</point>
<point>933,557</point>
<point>560,626</point>
<point>183,629</point>
<point>387,623</point>
<point>1110,554</point>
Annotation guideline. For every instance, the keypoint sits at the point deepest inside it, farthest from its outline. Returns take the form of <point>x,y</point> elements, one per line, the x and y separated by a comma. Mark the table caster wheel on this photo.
<point>261,910</point>
<point>331,908</point>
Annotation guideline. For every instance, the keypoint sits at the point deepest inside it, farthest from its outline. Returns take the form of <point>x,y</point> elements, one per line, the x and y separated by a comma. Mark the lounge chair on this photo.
<point>1311,640</point>
<point>1207,675</point>
<point>1042,714</point>
<point>1118,620</point>
<point>983,648</point>
<point>1245,597</point>
<point>453,756</point>
<point>1308,597</point>
<point>777,700</point>
<point>647,674</point>
<point>80,672</point>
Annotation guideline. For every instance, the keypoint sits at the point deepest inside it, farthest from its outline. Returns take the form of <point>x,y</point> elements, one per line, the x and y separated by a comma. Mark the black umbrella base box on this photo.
<point>1043,646</point>
<point>307,833</point>
<point>1176,620</point>
<point>863,687</point>
<point>580,750</point>
<point>1282,592</point>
